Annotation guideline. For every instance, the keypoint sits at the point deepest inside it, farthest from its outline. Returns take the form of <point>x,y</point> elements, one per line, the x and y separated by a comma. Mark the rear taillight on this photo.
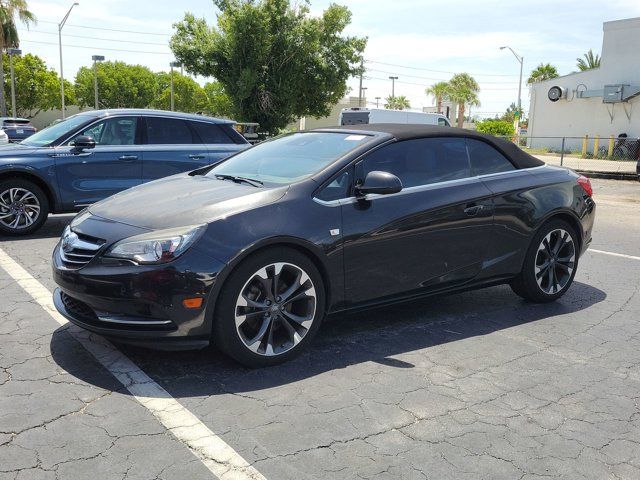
<point>585,184</point>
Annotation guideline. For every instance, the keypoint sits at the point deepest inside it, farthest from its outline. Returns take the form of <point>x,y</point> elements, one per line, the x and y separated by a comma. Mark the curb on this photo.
<point>610,175</point>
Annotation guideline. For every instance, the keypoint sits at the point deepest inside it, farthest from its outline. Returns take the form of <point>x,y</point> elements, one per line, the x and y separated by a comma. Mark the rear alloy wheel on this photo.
<point>550,264</point>
<point>23,207</point>
<point>276,301</point>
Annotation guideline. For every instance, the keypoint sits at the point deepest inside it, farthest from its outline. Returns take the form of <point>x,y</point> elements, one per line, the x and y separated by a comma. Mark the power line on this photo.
<point>439,71</point>
<point>436,79</point>
<point>94,38</point>
<point>108,29</point>
<point>424,85</point>
<point>94,48</point>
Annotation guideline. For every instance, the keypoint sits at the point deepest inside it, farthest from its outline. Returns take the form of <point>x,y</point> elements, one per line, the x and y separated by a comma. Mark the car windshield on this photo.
<point>289,158</point>
<point>47,135</point>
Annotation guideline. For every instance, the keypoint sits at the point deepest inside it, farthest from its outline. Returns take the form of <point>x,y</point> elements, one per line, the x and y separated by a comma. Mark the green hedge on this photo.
<point>499,128</point>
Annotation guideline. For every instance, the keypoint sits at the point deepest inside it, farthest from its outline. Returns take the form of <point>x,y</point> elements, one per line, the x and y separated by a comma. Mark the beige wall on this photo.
<point>330,120</point>
<point>44,119</point>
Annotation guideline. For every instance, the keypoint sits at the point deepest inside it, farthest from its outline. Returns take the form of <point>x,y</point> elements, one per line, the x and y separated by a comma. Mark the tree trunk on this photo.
<point>3,105</point>
<point>460,114</point>
<point>439,104</point>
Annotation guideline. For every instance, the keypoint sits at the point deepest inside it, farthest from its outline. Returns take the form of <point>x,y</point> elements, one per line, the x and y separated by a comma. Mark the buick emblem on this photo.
<point>68,241</point>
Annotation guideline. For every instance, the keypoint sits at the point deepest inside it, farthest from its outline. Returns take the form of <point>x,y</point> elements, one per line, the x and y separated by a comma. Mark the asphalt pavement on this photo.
<point>479,385</point>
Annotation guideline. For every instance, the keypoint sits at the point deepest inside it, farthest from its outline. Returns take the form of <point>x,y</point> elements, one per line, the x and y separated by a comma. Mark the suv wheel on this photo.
<point>269,308</point>
<point>23,207</point>
<point>550,264</point>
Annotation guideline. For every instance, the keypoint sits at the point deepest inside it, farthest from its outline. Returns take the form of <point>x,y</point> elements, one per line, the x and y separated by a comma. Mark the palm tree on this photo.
<point>397,103</point>
<point>439,91</point>
<point>9,10</point>
<point>463,90</point>
<point>592,61</point>
<point>542,72</point>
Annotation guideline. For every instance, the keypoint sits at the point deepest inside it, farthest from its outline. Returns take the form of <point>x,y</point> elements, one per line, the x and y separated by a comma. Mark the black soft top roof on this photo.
<point>401,131</point>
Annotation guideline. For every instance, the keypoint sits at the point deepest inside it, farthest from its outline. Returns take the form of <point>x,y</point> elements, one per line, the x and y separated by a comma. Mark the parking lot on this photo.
<point>474,385</point>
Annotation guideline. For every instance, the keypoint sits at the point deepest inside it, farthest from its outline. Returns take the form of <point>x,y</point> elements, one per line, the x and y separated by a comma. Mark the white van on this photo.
<point>364,116</point>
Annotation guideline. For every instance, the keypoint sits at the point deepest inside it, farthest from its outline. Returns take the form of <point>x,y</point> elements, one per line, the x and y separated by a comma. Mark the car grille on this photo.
<point>77,308</point>
<point>80,251</point>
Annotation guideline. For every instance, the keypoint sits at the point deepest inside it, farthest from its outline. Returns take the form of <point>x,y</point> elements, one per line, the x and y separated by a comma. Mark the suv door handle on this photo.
<point>473,210</point>
<point>128,158</point>
<point>196,156</point>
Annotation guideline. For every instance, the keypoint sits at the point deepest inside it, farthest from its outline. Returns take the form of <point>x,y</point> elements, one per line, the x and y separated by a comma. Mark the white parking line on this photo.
<point>614,254</point>
<point>222,460</point>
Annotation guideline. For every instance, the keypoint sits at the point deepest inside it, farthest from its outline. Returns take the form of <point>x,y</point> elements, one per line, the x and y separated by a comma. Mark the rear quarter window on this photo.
<point>485,159</point>
<point>210,132</point>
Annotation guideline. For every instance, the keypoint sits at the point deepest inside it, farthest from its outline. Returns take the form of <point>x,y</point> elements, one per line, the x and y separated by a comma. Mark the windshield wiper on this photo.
<point>237,179</point>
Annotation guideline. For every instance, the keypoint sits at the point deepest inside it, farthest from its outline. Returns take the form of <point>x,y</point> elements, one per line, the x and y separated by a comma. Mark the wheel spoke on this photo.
<point>293,333</point>
<point>303,321</point>
<point>255,343</point>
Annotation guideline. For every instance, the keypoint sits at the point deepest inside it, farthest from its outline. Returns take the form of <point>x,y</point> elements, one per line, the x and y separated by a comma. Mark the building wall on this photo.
<point>576,117</point>
<point>44,119</point>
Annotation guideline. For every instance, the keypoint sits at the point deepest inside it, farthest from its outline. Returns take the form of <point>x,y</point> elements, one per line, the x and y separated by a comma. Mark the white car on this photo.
<point>4,138</point>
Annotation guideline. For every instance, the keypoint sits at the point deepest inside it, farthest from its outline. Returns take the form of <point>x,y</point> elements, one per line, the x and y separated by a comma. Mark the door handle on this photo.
<point>128,158</point>
<point>196,156</point>
<point>473,210</point>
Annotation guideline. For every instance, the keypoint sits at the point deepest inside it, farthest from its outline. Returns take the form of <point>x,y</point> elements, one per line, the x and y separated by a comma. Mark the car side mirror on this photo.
<point>381,183</point>
<point>83,142</point>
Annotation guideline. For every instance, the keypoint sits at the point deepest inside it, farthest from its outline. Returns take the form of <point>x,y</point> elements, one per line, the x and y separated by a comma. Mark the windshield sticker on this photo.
<point>354,138</point>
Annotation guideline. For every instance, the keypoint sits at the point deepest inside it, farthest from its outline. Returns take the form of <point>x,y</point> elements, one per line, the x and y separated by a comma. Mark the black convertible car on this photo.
<point>253,252</point>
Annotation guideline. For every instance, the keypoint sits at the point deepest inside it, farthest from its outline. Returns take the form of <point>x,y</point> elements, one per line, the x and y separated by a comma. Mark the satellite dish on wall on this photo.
<point>555,93</point>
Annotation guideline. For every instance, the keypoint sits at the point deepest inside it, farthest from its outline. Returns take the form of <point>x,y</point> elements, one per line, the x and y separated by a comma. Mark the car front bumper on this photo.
<point>138,304</point>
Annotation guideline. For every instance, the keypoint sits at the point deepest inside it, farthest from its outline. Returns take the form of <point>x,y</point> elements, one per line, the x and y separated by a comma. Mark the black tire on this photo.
<point>37,220</point>
<point>227,337</point>
<point>526,284</point>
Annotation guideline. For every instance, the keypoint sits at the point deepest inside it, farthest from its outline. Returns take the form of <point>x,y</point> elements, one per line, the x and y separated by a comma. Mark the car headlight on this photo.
<point>160,246</point>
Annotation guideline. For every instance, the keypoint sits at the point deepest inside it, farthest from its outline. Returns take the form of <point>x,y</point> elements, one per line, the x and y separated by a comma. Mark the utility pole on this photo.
<point>519,113</point>
<point>364,95</point>
<point>378,102</point>
<point>173,64</point>
<point>96,59</point>
<point>360,87</point>
<point>60,25</point>
<point>12,52</point>
<point>393,86</point>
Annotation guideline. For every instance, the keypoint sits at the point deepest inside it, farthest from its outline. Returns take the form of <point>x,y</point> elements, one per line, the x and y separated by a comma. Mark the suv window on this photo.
<point>163,131</point>
<point>210,132</point>
<point>421,161</point>
<point>485,159</point>
<point>112,131</point>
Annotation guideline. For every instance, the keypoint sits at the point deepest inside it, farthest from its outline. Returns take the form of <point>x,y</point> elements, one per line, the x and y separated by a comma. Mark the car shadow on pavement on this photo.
<point>371,336</point>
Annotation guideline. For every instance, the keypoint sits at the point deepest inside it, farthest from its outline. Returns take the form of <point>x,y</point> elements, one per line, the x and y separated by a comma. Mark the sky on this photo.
<point>419,41</point>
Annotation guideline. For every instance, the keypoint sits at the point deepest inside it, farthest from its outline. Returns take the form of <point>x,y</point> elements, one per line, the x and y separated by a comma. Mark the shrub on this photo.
<point>499,128</point>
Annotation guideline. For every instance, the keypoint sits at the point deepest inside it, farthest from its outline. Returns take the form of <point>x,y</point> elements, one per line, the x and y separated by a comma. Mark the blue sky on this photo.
<point>426,41</point>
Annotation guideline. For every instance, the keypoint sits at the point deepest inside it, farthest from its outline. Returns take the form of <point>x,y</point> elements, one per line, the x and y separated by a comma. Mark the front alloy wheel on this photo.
<point>23,206</point>
<point>275,309</point>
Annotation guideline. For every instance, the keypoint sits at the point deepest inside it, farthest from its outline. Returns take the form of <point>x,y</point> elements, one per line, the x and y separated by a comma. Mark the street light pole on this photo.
<point>60,25</point>
<point>96,59</point>
<point>393,86</point>
<point>12,52</point>
<point>172,64</point>
<point>521,61</point>
<point>363,92</point>
<point>378,102</point>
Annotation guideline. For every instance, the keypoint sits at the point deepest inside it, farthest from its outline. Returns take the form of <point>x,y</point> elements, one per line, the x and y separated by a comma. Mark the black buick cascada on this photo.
<point>252,253</point>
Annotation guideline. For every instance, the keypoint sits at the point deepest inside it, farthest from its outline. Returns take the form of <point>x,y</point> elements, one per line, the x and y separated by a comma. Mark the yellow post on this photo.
<point>610,152</point>
<point>596,144</point>
<point>585,143</point>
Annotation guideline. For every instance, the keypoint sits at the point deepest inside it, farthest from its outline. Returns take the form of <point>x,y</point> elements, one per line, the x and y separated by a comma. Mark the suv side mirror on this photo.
<point>381,183</point>
<point>83,141</point>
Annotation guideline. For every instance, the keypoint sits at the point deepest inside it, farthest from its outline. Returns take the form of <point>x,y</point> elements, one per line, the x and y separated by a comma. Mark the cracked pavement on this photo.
<point>479,385</point>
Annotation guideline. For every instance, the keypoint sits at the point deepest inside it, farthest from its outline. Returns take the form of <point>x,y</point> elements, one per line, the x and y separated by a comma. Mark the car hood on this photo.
<point>183,200</point>
<point>12,150</point>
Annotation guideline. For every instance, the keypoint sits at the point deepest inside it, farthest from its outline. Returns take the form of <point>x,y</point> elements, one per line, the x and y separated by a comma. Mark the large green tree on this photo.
<point>439,92</point>
<point>120,85</point>
<point>188,96</point>
<point>275,61</point>
<point>589,61</point>
<point>463,90</point>
<point>219,103</point>
<point>9,11</point>
<point>37,87</point>
<point>544,71</point>
<point>397,103</point>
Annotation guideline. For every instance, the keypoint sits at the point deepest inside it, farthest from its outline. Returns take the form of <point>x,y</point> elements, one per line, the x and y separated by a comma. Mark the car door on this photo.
<point>113,165</point>
<point>220,139</point>
<point>431,235</point>
<point>171,146</point>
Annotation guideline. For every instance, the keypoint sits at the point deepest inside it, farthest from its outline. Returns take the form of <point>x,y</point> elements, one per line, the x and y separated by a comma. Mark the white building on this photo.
<point>599,102</point>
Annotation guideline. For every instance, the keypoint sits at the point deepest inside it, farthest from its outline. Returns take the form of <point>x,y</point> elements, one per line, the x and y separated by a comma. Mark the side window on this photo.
<point>112,131</point>
<point>338,188</point>
<point>421,161</point>
<point>442,122</point>
<point>485,159</point>
<point>163,131</point>
<point>210,132</point>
